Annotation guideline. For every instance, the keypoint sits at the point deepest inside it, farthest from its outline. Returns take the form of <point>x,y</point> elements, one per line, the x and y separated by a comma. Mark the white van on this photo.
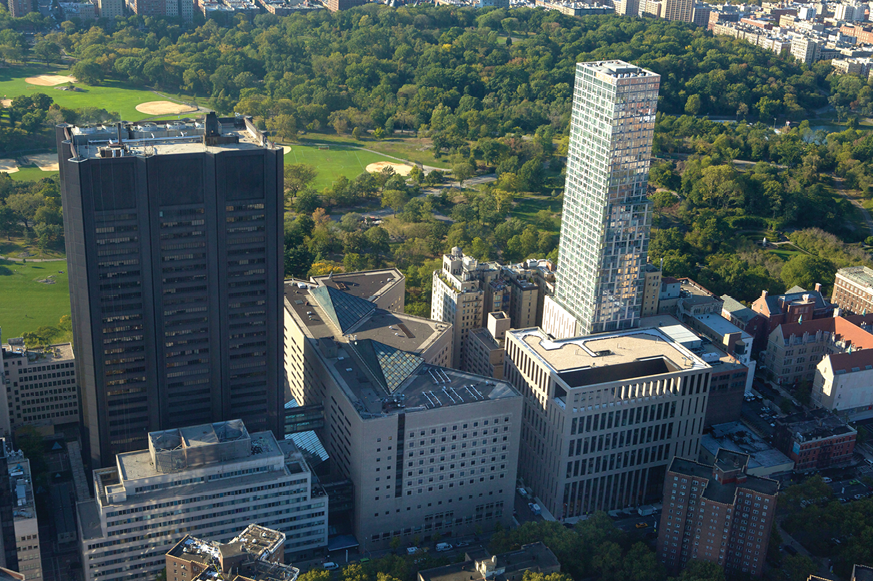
<point>443,547</point>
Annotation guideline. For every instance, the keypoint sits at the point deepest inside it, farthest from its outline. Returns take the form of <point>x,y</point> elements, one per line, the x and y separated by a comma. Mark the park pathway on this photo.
<point>840,184</point>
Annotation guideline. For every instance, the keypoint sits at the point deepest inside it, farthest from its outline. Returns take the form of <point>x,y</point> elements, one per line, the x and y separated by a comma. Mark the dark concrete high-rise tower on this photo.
<point>174,236</point>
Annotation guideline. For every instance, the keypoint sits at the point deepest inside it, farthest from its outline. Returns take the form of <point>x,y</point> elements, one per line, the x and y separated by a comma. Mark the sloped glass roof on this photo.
<point>343,309</point>
<point>307,442</point>
<point>391,366</point>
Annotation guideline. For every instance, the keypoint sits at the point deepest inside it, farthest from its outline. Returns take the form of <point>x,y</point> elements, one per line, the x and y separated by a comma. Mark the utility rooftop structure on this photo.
<point>604,415</point>
<point>253,555</point>
<point>607,214</point>
<point>174,236</point>
<point>221,474</point>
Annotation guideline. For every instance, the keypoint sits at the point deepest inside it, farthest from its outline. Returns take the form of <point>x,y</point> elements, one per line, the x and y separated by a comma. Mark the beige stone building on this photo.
<point>853,289</point>
<point>604,414</point>
<point>40,386</point>
<point>485,347</point>
<point>429,450</point>
<point>459,297</point>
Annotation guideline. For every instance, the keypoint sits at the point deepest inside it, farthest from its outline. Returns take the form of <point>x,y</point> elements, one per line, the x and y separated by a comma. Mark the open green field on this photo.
<point>409,148</point>
<point>334,162</point>
<point>26,304</point>
<point>31,174</point>
<point>112,95</point>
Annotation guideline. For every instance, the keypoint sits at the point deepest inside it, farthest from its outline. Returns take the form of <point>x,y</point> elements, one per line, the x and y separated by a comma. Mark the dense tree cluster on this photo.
<point>32,209</point>
<point>378,67</point>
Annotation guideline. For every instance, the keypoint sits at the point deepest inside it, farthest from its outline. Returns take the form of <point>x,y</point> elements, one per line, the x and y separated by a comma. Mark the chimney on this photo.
<point>818,287</point>
<point>764,294</point>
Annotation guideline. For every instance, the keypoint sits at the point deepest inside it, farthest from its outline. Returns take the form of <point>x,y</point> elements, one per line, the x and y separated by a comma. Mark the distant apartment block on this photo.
<point>255,554</point>
<point>853,290</point>
<point>479,565</point>
<point>110,8</point>
<point>41,385</point>
<point>680,10</point>
<point>27,541</point>
<point>385,288</point>
<point>20,8</point>
<point>206,480</point>
<point>81,10</point>
<point>815,440</point>
<point>701,14</point>
<point>716,513</point>
<point>574,8</point>
<point>604,415</point>
<point>337,5</point>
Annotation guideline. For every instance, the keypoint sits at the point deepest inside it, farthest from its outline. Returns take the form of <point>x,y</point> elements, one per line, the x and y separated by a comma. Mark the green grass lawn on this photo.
<point>31,174</point>
<point>411,148</point>
<point>111,95</point>
<point>334,162</point>
<point>26,304</point>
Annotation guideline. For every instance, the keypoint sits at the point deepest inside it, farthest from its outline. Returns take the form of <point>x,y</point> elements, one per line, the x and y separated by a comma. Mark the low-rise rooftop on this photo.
<point>381,380</point>
<point>610,357</point>
<point>330,312</point>
<point>368,284</point>
<point>737,437</point>
<point>814,425</point>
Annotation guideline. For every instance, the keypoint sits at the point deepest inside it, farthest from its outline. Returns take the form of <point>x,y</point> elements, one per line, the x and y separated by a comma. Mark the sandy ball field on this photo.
<point>45,161</point>
<point>401,169</point>
<point>164,108</point>
<point>8,165</point>
<point>49,80</point>
<point>6,102</point>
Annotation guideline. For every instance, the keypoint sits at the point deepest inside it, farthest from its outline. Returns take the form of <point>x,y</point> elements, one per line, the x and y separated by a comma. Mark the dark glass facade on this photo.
<point>175,273</point>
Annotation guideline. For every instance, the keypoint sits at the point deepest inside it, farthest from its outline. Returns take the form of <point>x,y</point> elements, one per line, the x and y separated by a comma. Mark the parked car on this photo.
<point>642,525</point>
<point>330,566</point>
<point>412,550</point>
<point>462,544</point>
<point>440,547</point>
<point>789,549</point>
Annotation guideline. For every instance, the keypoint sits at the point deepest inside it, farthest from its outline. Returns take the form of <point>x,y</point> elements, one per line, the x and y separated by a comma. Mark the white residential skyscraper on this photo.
<point>607,216</point>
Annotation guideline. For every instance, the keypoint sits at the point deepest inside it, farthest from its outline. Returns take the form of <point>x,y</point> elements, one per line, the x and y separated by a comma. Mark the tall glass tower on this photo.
<point>607,215</point>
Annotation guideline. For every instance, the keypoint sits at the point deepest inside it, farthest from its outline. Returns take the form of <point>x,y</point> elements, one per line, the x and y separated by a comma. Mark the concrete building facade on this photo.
<point>461,297</point>
<point>174,235</point>
<point>717,513</point>
<point>41,386</point>
<point>604,414</point>
<point>203,479</point>
<point>607,214</point>
<point>110,8</point>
